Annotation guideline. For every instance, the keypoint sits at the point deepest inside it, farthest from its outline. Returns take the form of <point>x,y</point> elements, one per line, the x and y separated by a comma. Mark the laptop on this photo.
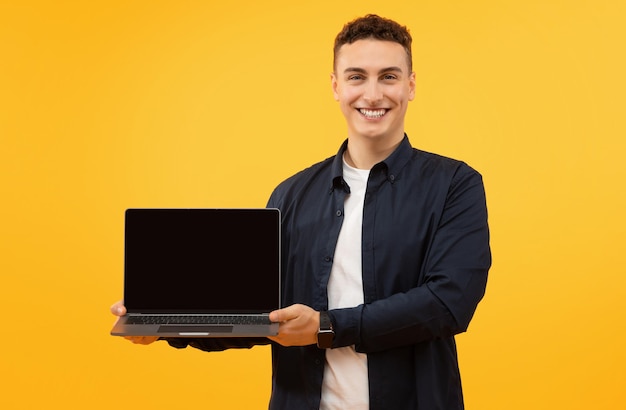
<point>200,272</point>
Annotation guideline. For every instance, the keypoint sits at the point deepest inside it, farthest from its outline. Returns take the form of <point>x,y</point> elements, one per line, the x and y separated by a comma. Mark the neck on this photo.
<point>365,154</point>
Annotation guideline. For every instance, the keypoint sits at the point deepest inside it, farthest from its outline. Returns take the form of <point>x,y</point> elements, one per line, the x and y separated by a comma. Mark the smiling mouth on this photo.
<point>373,114</point>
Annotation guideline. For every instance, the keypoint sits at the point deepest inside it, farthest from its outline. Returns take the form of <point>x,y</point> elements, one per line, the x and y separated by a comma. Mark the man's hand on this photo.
<point>118,309</point>
<point>298,325</point>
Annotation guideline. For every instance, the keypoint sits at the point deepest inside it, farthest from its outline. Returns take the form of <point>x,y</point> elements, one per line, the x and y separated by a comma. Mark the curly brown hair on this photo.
<point>376,27</point>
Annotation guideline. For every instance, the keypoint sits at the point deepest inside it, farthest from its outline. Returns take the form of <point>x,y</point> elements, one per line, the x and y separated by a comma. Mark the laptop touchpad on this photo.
<point>195,329</point>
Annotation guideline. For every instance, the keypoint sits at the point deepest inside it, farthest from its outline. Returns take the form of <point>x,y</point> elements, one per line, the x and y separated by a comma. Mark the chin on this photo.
<point>373,133</point>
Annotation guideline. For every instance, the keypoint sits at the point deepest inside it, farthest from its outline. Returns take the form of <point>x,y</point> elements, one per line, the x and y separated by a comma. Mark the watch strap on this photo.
<point>325,323</point>
<point>325,334</point>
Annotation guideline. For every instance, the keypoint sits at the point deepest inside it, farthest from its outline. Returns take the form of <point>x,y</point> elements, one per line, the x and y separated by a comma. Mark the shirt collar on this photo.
<point>392,164</point>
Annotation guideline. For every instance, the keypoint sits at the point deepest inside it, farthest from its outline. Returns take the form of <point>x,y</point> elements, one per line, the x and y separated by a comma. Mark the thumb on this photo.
<point>276,316</point>
<point>284,314</point>
<point>118,309</point>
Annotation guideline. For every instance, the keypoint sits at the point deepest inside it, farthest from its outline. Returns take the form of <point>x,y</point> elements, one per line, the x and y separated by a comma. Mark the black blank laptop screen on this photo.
<point>202,260</point>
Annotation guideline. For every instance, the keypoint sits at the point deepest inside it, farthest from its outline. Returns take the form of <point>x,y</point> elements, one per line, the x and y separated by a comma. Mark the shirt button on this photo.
<point>327,258</point>
<point>392,177</point>
<point>338,213</point>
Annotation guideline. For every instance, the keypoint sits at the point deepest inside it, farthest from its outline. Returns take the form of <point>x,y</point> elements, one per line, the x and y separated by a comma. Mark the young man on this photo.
<point>385,251</point>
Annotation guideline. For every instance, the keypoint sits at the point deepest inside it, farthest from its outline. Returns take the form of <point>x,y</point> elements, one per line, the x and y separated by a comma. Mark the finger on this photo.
<point>275,316</point>
<point>141,340</point>
<point>118,308</point>
<point>284,314</point>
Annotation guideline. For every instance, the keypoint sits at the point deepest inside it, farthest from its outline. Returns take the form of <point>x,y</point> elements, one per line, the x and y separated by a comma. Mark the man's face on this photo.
<point>373,86</point>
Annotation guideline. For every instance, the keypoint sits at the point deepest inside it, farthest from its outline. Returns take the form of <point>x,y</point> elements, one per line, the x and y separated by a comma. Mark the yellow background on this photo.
<point>106,105</point>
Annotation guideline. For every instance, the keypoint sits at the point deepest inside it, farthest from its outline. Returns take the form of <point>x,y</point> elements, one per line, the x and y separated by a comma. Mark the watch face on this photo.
<point>325,339</point>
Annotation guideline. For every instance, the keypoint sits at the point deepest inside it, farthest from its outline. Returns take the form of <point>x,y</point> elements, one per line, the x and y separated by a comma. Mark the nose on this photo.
<point>373,93</point>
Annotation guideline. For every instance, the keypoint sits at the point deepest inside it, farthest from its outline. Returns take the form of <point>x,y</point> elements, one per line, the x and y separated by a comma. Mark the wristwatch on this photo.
<point>325,334</point>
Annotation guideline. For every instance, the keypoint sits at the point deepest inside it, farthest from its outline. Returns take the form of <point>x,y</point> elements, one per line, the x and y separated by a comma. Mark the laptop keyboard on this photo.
<point>198,320</point>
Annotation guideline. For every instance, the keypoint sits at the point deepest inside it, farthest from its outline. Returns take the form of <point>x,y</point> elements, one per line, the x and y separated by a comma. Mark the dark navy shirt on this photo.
<point>425,246</point>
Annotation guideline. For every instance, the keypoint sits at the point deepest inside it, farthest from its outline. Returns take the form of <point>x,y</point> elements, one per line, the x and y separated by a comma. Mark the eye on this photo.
<point>355,77</point>
<point>390,77</point>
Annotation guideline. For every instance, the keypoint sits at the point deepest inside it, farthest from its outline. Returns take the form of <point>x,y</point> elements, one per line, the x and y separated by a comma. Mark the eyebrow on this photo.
<point>363,71</point>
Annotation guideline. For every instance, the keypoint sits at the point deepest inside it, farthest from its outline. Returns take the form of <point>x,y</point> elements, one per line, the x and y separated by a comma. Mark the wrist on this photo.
<point>325,333</point>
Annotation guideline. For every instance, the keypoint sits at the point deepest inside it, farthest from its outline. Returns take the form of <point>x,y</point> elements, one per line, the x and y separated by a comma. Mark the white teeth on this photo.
<point>372,113</point>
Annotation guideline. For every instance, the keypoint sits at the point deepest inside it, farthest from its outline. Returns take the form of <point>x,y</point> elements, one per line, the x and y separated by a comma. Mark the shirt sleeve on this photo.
<point>453,282</point>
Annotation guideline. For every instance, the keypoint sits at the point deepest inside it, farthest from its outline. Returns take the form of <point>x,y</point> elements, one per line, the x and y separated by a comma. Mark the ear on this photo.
<point>333,83</point>
<point>412,86</point>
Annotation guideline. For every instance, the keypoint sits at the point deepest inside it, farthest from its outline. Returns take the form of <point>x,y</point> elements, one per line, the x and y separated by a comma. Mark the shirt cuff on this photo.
<point>346,325</point>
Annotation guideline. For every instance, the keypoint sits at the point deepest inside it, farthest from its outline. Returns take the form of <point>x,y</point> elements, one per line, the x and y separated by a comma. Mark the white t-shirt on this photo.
<point>345,384</point>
